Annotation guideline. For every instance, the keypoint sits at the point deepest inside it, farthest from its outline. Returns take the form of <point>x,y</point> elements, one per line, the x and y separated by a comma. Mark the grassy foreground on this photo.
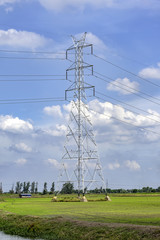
<point>118,219</point>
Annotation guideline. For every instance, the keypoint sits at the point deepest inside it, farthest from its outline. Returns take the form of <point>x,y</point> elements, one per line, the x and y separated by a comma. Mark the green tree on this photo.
<point>28,187</point>
<point>146,189</point>
<point>11,191</point>
<point>36,188</point>
<point>158,189</point>
<point>52,188</point>
<point>24,187</point>
<point>45,191</point>
<point>18,187</point>
<point>1,191</point>
<point>67,188</point>
<point>33,187</point>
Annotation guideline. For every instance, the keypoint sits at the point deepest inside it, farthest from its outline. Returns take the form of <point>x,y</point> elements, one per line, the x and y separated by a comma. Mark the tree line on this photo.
<point>68,188</point>
<point>29,187</point>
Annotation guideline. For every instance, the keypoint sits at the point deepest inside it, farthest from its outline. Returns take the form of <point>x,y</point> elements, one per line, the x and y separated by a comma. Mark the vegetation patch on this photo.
<point>125,217</point>
<point>62,229</point>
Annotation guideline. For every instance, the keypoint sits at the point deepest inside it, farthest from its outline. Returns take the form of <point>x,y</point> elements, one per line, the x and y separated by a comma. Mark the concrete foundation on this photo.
<point>84,199</point>
<point>54,199</point>
<point>108,198</point>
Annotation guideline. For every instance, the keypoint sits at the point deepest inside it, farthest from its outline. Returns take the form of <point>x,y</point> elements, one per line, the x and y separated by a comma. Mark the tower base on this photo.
<point>108,198</point>
<point>84,199</point>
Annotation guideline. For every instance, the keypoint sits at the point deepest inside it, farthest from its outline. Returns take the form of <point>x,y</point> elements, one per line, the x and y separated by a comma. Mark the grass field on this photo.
<point>135,210</point>
<point>123,209</point>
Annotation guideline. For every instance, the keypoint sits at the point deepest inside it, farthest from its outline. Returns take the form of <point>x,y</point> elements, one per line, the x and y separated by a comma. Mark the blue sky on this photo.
<point>125,33</point>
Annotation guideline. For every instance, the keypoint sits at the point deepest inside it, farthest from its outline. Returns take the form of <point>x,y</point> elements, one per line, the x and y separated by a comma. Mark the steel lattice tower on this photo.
<point>80,162</point>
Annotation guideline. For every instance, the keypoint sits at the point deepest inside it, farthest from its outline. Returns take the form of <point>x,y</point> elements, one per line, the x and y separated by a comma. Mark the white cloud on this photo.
<point>68,107</point>
<point>151,72</point>
<point>58,5</point>
<point>102,113</point>
<point>21,161</point>
<point>132,165</point>
<point>54,111</point>
<point>58,131</point>
<point>53,162</point>
<point>22,39</point>
<point>21,147</point>
<point>4,2</point>
<point>113,166</point>
<point>120,85</point>
<point>15,125</point>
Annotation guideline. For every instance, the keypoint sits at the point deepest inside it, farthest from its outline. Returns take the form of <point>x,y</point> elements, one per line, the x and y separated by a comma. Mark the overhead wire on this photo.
<point>117,100</point>
<point>125,70</point>
<point>32,80</point>
<point>150,114</point>
<point>152,119</point>
<point>34,58</point>
<point>135,90</point>
<point>30,100</point>
<point>128,87</point>
<point>122,121</point>
<point>15,101</point>
<point>31,52</point>
<point>32,75</point>
<point>128,90</point>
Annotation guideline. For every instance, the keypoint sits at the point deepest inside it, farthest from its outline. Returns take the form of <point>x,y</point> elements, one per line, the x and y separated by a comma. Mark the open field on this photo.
<point>134,210</point>
<point>123,212</point>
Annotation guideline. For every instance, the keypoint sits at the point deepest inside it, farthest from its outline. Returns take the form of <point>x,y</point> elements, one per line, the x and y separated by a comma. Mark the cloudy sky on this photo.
<point>34,35</point>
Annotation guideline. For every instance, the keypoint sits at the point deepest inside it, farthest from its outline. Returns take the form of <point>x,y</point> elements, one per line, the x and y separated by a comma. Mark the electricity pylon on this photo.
<point>80,162</point>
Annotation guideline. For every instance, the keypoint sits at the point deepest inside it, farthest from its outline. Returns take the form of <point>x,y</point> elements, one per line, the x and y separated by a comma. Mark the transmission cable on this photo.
<point>32,52</point>
<point>39,101</point>
<point>128,90</point>
<point>32,75</point>
<point>133,111</point>
<point>117,100</point>
<point>26,100</point>
<point>100,93</point>
<point>122,121</point>
<point>148,95</point>
<point>125,70</point>
<point>32,80</point>
<point>33,58</point>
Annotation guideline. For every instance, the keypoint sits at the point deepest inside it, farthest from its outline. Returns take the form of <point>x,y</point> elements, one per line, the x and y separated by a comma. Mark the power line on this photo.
<point>37,75</point>
<point>30,100</point>
<point>125,70</point>
<point>39,101</point>
<point>33,100</point>
<point>122,121</point>
<point>26,99</point>
<point>129,90</point>
<point>140,109</point>
<point>32,75</point>
<point>114,84</point>
<point>135,90</point>
<point>33,58</point>
<point>148,95</point>
<point>32,80</point>
<point>32,52</point>
<point>129,59</point>
<point>134,112</point>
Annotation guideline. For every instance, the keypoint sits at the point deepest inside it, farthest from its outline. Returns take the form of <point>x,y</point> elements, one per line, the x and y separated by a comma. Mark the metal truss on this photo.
<point>80,161</point>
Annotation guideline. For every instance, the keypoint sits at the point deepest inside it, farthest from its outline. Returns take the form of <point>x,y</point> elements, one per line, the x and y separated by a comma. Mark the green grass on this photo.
<point>41,218</point>
<point>61,229</point>
<point>134,210</point>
